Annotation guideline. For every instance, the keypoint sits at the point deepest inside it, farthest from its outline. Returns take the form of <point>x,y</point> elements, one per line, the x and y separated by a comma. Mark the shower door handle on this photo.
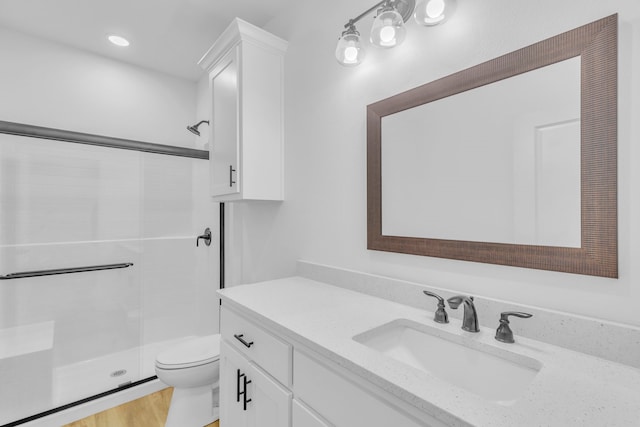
<point>231,171</point>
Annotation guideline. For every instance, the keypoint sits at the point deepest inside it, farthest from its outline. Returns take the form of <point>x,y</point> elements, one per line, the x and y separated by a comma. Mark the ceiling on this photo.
<point>166,35</point>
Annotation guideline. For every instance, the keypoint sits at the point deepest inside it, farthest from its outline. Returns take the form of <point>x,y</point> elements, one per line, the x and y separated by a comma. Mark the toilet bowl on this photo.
<point>192,368</point>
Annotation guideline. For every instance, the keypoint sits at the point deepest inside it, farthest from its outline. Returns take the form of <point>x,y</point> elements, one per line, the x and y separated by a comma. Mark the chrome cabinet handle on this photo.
<point>239,338</point>
<point>441,315</point>
<point>504,332</point>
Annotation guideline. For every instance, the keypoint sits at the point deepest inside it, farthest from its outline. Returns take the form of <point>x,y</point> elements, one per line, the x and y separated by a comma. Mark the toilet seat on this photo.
<point>190,353</point>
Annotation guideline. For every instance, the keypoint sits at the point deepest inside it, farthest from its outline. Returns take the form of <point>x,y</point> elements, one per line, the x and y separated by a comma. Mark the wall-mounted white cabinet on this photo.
<point>246,142</point>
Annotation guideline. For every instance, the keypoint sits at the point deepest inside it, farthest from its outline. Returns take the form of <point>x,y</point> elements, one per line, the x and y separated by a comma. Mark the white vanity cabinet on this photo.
<point>250,395</point>
<point>246,141</point>
<point>285,384</point>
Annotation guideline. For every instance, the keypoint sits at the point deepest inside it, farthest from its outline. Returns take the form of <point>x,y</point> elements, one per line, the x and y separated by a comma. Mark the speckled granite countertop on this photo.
<point>571,389</point>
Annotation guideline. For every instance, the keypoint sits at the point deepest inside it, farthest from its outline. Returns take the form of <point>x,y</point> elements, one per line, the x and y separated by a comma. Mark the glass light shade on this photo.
<point>118,40</point>
<point>349,51</point>
<point>434,12</point>
<point>388,28</point>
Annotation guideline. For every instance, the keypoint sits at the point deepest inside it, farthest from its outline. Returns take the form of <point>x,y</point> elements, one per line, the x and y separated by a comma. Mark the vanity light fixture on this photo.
<point>388,29</point>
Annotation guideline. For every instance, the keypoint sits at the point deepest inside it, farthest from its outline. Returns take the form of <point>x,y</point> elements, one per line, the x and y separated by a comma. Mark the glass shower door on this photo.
<point>65,337</point>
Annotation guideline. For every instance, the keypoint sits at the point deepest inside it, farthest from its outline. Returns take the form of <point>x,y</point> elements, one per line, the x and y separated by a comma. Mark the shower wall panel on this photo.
<point>57,192</point>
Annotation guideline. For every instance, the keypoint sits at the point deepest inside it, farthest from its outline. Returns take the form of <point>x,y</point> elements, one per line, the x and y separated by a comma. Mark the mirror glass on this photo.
<point>500,163</point>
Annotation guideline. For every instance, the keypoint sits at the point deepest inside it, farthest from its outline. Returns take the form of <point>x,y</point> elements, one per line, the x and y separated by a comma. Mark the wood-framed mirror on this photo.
<point>398,122</point>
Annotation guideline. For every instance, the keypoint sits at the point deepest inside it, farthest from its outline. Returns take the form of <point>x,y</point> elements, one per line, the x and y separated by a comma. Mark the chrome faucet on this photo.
<point>470,317</point>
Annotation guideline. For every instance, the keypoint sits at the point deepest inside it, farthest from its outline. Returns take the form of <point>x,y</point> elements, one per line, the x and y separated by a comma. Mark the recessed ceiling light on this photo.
<point>118,40</point>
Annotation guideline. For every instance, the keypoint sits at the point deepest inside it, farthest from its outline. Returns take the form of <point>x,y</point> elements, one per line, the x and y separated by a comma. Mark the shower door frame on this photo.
<point>27,130</point>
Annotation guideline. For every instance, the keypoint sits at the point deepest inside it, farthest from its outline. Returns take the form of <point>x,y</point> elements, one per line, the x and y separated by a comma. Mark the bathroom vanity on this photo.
<point>303,353</point>
<point>257,367</point>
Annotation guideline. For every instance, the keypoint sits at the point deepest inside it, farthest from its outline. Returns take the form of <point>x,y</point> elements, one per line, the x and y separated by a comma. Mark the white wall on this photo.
<point>323,219</point>
<point>48,84</point>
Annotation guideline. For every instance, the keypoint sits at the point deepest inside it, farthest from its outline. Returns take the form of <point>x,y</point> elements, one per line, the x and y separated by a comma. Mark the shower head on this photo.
<point>194,128</point>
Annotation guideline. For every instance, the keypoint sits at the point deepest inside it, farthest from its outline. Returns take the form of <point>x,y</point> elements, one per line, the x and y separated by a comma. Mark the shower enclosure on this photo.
<point>99,267</point>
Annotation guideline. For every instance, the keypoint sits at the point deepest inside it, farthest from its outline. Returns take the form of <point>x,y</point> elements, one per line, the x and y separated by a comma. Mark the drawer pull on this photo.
<point>246,344</point>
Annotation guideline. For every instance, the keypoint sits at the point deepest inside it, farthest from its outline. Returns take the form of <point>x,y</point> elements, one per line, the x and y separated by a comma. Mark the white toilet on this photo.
<point>192,367</point>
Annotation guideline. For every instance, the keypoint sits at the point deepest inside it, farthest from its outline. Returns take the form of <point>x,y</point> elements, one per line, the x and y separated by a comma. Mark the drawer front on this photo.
<point>264,349</point>
<point>344,403</point>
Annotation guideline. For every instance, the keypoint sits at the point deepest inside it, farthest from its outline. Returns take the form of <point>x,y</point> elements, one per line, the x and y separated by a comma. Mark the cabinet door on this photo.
<point>248,396</point>
<point>270,402</point>
<point>224,143</point>
<point>233,371</point>
<point>344,402</point>
<point>303,417</point>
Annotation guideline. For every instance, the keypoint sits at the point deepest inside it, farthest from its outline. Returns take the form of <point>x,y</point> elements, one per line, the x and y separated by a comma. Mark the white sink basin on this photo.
<point>490,372</point>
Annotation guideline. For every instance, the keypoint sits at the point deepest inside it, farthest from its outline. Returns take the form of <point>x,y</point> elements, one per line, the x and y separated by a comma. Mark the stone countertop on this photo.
<point>571,388</point>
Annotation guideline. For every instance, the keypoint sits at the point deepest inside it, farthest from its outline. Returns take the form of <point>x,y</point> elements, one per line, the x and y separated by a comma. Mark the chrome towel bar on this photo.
<point>52,272</point>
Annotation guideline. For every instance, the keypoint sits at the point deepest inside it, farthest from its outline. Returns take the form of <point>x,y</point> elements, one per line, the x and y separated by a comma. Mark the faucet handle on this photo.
<point>504,332</point>
<point>441,315</point>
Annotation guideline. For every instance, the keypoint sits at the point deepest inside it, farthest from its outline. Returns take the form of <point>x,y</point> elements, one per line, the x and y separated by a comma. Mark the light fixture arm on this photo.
<point>352,21</point>
<point>405,11</point>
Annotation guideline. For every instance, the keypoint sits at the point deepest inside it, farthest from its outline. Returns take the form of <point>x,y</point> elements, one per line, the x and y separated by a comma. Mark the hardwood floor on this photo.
<point>148,411</point>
